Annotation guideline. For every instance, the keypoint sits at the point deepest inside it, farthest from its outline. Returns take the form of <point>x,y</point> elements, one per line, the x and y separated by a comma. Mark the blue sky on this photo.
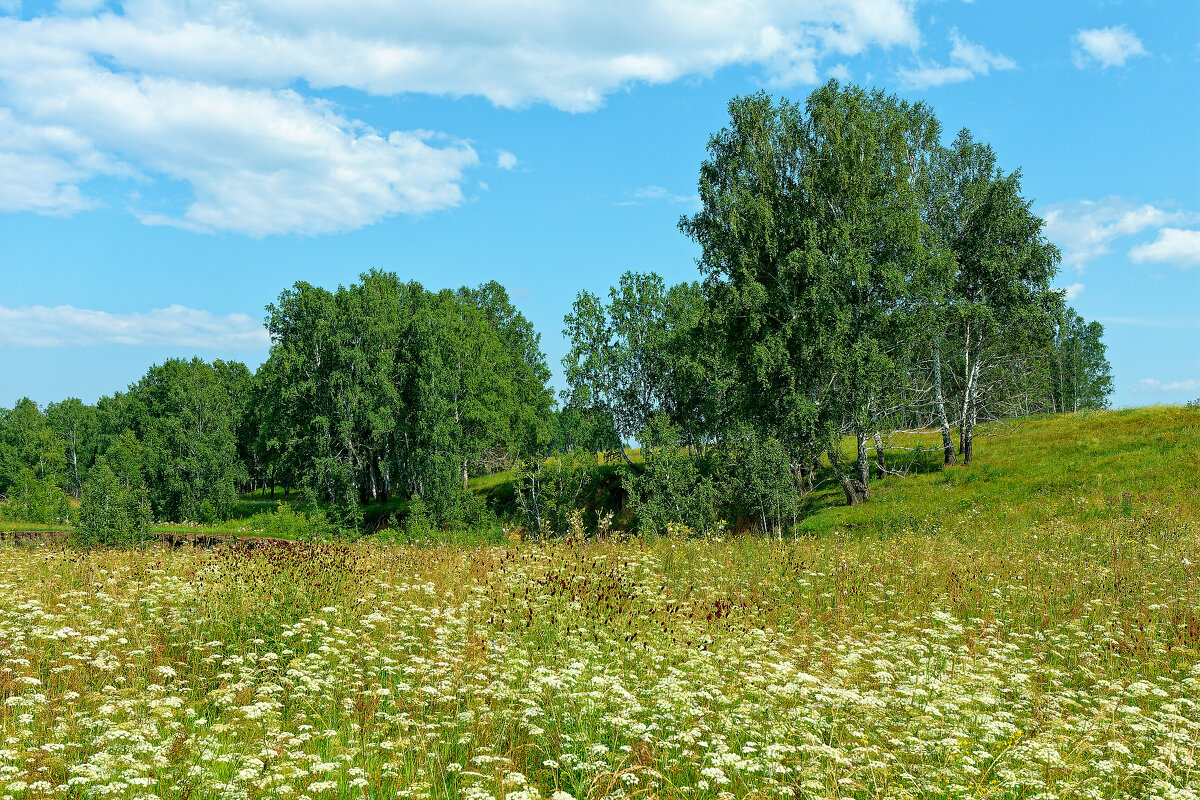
<point>168,167</point>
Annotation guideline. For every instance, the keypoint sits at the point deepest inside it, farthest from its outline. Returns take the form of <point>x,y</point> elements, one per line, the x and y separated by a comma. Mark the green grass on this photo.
<point>1075,467</point>
<point>1072,467</point>
<point>1027,627</point>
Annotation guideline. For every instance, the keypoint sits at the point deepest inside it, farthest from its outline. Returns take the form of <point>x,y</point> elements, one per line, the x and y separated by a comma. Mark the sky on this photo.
<point>168,167</point>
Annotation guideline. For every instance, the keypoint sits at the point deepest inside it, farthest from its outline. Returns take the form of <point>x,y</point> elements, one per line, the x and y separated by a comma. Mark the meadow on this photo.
<point>1027,627</point>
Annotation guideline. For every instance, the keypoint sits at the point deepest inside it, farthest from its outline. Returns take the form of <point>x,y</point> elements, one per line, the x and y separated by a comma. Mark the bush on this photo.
<point>113,513</point>
<point>286,522</point>
<point>36,500</point>
<point>548,490</point>
<point>671,493</point>
<point>756,480</point>
<point>418,525</point>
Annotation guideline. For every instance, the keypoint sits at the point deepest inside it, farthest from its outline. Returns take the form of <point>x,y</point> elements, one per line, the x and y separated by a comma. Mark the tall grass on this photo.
<point>958,641</point>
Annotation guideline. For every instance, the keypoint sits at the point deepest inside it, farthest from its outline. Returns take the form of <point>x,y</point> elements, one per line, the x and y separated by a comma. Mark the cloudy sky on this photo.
<point>167,167</point>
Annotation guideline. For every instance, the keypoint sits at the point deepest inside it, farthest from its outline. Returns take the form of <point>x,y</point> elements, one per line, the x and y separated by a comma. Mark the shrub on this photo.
<point>418,525</point>
<point>547,490</point>
<point>671,493</point>
<point>113,513</point>
<point>285,522</point>
<point>756,480</point>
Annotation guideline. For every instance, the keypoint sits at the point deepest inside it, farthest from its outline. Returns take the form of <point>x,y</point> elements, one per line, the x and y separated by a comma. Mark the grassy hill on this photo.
<point>1073,467</point>
<point>1076,467</point>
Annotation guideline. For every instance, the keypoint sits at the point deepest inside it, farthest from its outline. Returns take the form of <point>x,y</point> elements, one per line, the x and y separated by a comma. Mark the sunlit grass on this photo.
<point>1028,627</point>
<point>1059,659</point>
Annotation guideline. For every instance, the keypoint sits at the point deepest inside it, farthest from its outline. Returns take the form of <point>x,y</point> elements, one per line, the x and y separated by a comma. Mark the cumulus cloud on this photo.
<point>218,95</point>
<point>569,55</point>
<point>1180,248</point>
<point>42,326</point>
<point>258,161</point>
<point>41,167</point>
<point>1155,385</point>
<point>1074,290</point>
<point>967,60</point>
<point>1108,47</point>
<point>506,160</point>
<point>1086,229</point>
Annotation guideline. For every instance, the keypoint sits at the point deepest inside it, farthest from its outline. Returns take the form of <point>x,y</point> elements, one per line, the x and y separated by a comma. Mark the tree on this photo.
<point>1082,376</point>
<point>28,441</point>
<point>383,386</point>
<point>186,421</point>
<point>999,306</point>
<point>672,489</point>
<point>813,251</point>
<point>756,479</point>
<point>37,500</point>
<point>78,427</point>
<point>113,512</point>
<point>624,362</point>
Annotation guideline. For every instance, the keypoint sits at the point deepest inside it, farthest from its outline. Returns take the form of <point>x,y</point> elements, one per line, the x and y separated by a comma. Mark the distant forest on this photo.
<point>857,277</point>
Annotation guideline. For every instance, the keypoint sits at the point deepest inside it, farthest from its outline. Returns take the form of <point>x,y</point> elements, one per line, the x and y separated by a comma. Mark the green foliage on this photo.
<point>285,522</point>
<point>587,429</point>
<point>185,416</point>
<point>27,441</point>
<point>112,513</point>
<point>812,246</point>
<point>78,428</point>
<point>549,491</point>
<point>996,308</point>
<point>383,387</point>
<point>1081,376</point>
<point>672,489</point>
<point>756,481</point>
<point>628,360</point>
<point>418,525</point>
<point>36,500</point>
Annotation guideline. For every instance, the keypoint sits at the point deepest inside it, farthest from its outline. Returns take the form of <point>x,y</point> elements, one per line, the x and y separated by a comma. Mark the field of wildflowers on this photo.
<point>1064,663</point>
<point>951,655</point>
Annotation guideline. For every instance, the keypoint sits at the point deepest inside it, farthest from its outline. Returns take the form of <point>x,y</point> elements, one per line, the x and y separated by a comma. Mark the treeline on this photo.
<point>857,278</point>
<point>378,389</point>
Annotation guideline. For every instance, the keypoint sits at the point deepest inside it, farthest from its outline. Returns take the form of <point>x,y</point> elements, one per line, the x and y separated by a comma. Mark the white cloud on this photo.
<point>967,60</point>
<point>205,91</point>
<point>1108,47</point>
<point>258,161</point>
<point>1173,246</point>
<point>41,326</point>
<point>655,193</point>
<point>1074,290</point>
<point>569,55</point>
<point>1155,385</point>
<point>1086,229</point>
<point>505,160</point>
<point>41,167</point>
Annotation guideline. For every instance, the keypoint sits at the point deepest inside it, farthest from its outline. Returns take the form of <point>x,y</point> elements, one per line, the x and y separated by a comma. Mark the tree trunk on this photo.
<point>879,455</point>
<point>856,481</point>
<point>948,456</point>
<point>968,427</point>
<point>862,466</point>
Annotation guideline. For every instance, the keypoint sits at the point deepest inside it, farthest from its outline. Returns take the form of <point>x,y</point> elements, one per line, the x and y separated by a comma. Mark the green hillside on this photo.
<point>1077,467</point>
